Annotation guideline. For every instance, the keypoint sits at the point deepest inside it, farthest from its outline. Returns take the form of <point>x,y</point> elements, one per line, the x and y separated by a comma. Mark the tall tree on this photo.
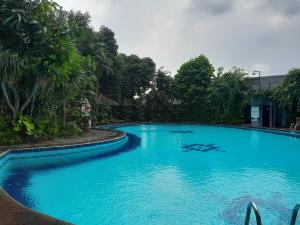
<point>227,97</point>
<point>32,40</point>
<point>107,65</point>
<point>136,75</point>
<point>161,97</point>
<point>192,80</point>
<point>288,94</point>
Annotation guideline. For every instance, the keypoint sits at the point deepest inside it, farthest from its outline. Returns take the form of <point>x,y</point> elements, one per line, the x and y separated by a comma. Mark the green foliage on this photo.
<point>72,129</point>
<point>24,125</point>
<point>288,94</point>
<point>161,98</point>
<point>228,97</point>
<point>47,128</point>
<point>107,63</point>
<point>44,71</point>
<point>192,81</point>
<point>136,75</point>
<point>2,122</point>
<point>9,137</point>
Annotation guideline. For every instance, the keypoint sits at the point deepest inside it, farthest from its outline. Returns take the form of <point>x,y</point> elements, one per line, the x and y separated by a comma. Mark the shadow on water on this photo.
<point>19,179</point>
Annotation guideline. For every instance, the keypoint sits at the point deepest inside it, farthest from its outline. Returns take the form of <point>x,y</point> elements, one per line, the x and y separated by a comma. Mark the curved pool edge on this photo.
<point>58,149</point>
<point>279,131</point>
<point>13,212</point>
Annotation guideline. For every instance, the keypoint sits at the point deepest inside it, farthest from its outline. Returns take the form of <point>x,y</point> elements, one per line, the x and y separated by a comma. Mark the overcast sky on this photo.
<point>251,34</point>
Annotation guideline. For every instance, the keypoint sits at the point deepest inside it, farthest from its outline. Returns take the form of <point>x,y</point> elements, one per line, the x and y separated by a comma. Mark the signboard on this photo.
<point>255,113</point>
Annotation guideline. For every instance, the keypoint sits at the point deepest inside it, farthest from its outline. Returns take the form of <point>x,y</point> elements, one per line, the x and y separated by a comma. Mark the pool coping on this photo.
<point>24,215</point>
<point>278,131</point>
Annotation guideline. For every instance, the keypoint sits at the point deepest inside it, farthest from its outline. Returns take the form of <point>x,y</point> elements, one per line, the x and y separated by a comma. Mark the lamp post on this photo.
<point>254,73</point>
<point>260,103</point>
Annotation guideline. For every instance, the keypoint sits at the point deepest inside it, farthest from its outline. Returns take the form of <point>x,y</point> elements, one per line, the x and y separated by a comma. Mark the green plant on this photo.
<point>24,125</point>
<point>47,128</point>
<point>2,122</point>
<point>9,137</point>
<point>72,129</point>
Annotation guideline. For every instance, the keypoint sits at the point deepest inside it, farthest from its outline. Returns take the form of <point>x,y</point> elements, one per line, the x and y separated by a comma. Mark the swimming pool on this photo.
<point>166,174</point>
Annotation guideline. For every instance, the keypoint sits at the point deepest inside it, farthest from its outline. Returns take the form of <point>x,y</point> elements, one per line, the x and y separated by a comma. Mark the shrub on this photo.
<point>24,125</point>
<point>9,137</point>
<point>72,129</point>
<point>2,122</point>
<point>47,128</point>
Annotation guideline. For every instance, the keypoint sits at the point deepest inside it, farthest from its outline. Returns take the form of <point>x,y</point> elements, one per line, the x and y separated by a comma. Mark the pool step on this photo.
<point>252,205</point>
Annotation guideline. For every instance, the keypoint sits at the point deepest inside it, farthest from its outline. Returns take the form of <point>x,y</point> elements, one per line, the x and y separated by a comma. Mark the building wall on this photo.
<point>269,113</point>
<point>266,82</point>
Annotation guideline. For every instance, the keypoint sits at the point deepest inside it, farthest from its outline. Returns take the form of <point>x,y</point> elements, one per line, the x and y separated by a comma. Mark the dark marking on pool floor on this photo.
<point>201,148</point>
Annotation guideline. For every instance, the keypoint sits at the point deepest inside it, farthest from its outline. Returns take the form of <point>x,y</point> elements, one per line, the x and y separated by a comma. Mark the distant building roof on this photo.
<point>266,82</point>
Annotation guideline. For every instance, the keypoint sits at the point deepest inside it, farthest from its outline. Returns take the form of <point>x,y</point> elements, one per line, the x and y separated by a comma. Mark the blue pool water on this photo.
<point>166,175</point>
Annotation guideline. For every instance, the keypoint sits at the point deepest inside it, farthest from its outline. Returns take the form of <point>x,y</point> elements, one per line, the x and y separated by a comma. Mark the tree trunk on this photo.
<point>5,93</point>
<point>32,106</point>
<point>16,107</point>
<point>33,93</point>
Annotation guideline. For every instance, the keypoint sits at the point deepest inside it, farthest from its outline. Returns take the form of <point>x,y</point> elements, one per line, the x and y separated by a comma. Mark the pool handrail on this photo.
<point>294,215</point>
<point>250,206</point>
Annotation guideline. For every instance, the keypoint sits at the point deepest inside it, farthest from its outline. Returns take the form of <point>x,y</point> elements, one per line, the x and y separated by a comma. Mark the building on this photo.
<point>264,111</point>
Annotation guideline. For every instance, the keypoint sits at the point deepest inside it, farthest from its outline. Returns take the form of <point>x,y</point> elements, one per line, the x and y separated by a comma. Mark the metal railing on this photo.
<point>250,206</point>
<point>294,215</point>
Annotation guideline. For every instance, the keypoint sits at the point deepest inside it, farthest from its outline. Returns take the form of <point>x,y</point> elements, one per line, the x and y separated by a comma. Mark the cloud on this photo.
<point>250,34</point>
<point>214,7</point>
<point>285,7</point>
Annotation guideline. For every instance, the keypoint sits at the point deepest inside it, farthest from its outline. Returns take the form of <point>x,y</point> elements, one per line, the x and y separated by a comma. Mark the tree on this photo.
<point>192,80</point>
<point>161,97</point>
<point>33,37</point>
<point>108,70</point>
<point>42,73</point>
<point>227,97</point>
<point>288,94</point>
<point>135,76</point>
<point>81,31</point>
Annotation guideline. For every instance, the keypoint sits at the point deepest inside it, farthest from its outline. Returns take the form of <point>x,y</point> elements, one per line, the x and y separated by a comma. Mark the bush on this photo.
<point>9,137</point>
<point>46,128</point>
<point>72,129</point>
<point>24,125</point>
<point>2,122</point>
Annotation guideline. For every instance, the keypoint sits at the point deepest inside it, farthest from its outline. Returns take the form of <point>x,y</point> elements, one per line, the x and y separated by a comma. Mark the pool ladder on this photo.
<point>252,205</point>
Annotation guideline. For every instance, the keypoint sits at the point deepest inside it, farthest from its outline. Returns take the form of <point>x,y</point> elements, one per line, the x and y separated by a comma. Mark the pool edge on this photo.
<point>278,131</point>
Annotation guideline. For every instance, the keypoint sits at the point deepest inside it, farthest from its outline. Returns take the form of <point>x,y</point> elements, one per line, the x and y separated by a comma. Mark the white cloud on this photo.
<point>263,68</point>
